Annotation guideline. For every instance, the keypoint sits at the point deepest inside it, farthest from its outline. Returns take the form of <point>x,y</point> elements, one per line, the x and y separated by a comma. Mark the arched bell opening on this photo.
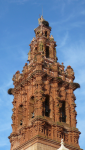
<point>45,33</point>
<point>62,111</point>
<point>46,107</point>
<point>47,51</point>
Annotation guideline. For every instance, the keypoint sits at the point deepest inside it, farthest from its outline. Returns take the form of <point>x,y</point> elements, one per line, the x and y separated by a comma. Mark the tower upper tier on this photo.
<point>43,42</point>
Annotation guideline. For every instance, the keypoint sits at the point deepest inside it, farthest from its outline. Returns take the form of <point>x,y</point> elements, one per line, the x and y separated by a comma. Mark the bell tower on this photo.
<point>44,102</point>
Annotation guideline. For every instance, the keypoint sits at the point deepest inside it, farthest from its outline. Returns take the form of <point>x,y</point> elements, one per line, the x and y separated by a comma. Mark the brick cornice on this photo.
<point>46,141</point>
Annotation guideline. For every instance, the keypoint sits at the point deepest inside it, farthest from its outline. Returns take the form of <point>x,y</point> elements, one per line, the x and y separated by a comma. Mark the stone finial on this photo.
<point>33,39</point>
<point>29,56</point>
<point>69,71</point>
<point>51,37</point>
<point>62,143</point>
<point>40,20</point>
<point>62,146</point>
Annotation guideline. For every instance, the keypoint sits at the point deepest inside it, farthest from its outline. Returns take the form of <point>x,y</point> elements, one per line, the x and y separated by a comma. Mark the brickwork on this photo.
<point>44,102</point>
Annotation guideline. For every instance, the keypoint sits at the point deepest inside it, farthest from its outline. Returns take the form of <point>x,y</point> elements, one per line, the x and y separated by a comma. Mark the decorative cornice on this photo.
<point>45,141</point>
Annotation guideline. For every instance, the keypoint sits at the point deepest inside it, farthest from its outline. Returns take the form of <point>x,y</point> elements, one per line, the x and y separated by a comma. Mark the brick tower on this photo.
<point>44,102</point>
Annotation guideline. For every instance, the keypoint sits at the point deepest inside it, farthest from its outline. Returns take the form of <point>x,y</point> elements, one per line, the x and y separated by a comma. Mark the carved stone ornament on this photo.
<point>62,146</point>
<point>40,20</point>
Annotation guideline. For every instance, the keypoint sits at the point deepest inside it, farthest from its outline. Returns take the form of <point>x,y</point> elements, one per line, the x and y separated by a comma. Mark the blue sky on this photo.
<point>18,19</point>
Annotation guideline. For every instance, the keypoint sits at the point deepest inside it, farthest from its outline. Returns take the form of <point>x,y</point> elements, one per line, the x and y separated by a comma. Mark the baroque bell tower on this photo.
<point>44,102</point>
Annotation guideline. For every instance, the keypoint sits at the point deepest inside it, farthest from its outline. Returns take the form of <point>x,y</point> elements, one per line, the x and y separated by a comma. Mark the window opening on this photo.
<point>21,108</point>
<point>62,112</point>
<point>33,115</point>
<point>32,97</point>
<point>47,51</point>
<point>46,33</point>
<point>21,122</point>
<point>32,101</point>
<point>36,48</point>
<point>47,106</point>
